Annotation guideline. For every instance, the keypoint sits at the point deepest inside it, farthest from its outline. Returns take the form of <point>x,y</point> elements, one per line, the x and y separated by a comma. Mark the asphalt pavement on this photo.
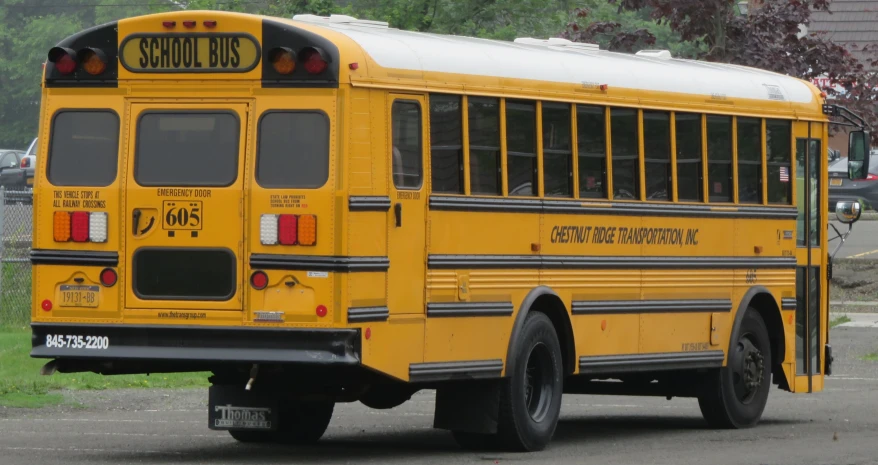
<point>862,243</point>
<point>837,426</point>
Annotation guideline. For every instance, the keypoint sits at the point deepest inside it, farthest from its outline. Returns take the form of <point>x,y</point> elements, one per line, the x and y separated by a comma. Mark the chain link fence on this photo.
<point>16,231</point>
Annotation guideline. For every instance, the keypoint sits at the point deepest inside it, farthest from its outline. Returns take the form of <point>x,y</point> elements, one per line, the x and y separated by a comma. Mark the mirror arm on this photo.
<point>843,239</point>
<point>852,118</point>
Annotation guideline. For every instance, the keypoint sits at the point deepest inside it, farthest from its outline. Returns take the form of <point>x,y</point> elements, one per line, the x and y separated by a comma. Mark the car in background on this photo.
<point>12,177</point>
<point>842,188</point>
<point>29,163</point>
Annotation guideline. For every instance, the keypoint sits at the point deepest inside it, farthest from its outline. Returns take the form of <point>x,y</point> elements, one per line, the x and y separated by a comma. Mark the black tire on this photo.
<point>304,422</point>
<point>298,423</point>
<point>530,396</point>
<point>734,396</point>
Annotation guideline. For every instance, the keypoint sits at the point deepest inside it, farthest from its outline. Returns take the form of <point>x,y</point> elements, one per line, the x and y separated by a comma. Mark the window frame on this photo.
<point>499,168</point>
<point>730,162</point>
<point>461,155</point>
<point>669,162</point>
<point>637,157</point>
<point>537,183</point>
<point>420,145</point>
<point>569,152</point>
<point>791,143</point>
<point>259,146</point>
<point>604,115</point>
<point>190,111</point>
<point>757,163</point>
<point>52,137</point>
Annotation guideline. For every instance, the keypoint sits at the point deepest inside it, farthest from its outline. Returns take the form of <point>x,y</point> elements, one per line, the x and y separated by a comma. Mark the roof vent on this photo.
<point>660,54</point>
<point>557,42</point>
<point>340,19</point>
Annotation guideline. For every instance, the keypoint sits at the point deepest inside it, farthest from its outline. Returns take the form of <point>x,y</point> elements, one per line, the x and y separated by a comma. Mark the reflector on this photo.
<point>109,277</point>
<point>259,280</point>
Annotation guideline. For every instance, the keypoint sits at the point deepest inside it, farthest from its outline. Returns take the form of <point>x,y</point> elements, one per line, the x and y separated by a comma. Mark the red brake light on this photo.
<point>189,23</point>
<point>313,60</point>
<point>25,162</point>
<point>287,229</point>
<point>109,277</point>
<point>79,226</point>
<point>871,177</point>
<point>259,280</point>
<point>64,59</point>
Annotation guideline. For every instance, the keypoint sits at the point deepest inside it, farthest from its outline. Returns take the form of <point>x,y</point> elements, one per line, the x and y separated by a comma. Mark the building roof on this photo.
<point>560,61</point>
<point>850,22</point>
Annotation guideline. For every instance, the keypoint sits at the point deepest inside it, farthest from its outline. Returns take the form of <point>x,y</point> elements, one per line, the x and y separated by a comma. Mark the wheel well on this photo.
<point>552,306</point>
<point>769,311</point>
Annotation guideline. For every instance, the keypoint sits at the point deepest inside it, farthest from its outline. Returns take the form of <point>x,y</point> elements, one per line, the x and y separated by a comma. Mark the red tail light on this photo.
<point>259,280</point>
<point>79,226</point>
<point>871,177</point>
<point>25,162</point>
<point>313,60</point>
<point>210,23</point>
<point>169,24</point>
<point>189,24</point>
<point>109,277</point>
<point>287,230</point>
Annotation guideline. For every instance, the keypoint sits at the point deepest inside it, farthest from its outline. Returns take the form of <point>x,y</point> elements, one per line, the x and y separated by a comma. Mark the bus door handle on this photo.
<point>136,220</point>
<point>397,210</point>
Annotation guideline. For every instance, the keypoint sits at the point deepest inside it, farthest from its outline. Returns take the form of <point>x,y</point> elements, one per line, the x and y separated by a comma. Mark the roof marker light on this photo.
<point>169,24</point>
<point>189,24</point>
<point>210,23</point>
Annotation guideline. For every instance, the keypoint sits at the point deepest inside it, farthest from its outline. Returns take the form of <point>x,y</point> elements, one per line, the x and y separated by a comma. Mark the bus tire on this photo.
<point>304,422</point>
<point>735,395</point>
<point>530,395</point>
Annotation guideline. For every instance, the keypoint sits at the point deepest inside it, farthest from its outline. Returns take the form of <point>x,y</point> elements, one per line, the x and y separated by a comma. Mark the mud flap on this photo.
<point>233,408</point>
<point>471,407</point>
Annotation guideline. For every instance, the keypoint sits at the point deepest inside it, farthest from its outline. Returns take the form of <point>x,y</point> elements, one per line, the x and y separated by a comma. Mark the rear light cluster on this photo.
<point>25,162</point>
<point>871,177</point>
<point>92,60</point>
<point>79,226</point>
<point>288,230</point>
<point>284,60</point>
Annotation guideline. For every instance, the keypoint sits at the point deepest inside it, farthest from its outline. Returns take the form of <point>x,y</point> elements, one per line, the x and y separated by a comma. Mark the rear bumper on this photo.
<point>201,345</point>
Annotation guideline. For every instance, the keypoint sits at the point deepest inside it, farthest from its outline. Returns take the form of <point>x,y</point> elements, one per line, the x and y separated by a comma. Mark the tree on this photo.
<point>769,37</point>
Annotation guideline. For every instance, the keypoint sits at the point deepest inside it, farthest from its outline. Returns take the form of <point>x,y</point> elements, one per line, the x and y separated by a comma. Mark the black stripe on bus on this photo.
<point>471,309</point>
<point>370,203</point>
<point>451,262</point>
<point>446,371</point>
<point>650,362</point>
<point>364,314</point>
<point>651,306</point>
<point>584,207</point>
<point>788,303</point>
<point>318,263</point>
<point>73,257</point>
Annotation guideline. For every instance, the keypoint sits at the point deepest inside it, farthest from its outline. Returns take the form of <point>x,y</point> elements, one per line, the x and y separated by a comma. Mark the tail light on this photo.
<point>288,229</point>
<point>314,60</point>
<point>25,162</point>
<point>871,177</point>
<point>109,277</point>
<point>259,280</point>
<point>93,60</point>
<point>79,226</point>
<point>282,60</point>
<point>64,59</point>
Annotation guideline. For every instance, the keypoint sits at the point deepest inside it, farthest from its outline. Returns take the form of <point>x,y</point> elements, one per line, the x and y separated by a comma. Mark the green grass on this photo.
<point>839,320</point>
<point>21,384</point>
<point>873,357</point>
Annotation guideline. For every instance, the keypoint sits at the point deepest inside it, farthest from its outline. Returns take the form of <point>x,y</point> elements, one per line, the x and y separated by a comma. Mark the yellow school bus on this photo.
<point>325,209</point>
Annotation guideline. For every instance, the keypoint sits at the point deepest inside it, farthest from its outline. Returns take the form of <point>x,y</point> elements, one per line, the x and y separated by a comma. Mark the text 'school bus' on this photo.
<point>324,210</point>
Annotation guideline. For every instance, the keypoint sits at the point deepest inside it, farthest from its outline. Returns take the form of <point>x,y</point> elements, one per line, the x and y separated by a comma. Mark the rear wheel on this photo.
<point>735,396</point>
<point>299,422</point>
<point>530,397</point>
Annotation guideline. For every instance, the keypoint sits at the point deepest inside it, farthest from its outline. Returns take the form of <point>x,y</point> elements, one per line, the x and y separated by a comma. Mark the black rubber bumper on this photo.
<point>196,344</point>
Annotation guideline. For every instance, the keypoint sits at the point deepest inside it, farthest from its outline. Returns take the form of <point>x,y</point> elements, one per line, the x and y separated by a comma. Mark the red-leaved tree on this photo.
<point>768,37</point>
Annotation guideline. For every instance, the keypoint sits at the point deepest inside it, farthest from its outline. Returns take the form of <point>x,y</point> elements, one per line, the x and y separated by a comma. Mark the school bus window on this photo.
<point>591,126</point>
<point>187,149</point>
<point>749,160</point>
<point>407,151</point>
<point>521,147</point>
<point>625,154</point>
<point>293,150</point>
<point>84,148</point>
<point>657,154</point>
<point>446,139</point>
<point>810,185</point>
<point>484,145</point>
<point>719,158</point>
<point>689,176</point>
<point>557,151</point>
<point>778,147</point>
<point>184,274</point>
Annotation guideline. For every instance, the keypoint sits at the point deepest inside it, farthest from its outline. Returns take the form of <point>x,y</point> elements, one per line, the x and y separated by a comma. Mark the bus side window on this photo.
<point>689,137</point>
<point>719,158</point>
<point>484,145</point>
<point>521,148</point>
<point>657,154</point>
<point>778,144</point>
<point>557,152</point>
<point>592,151</point>
<point>749,160</point>
<point>625,154</point>
<point>406,152</point>
<point>446,140</point>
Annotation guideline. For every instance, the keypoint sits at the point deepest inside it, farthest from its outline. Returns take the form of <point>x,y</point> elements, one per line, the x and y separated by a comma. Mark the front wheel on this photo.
<point>735,396</point>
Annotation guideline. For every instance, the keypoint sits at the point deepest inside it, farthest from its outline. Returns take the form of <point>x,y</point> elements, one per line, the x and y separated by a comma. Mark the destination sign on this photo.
<point>190,53</point>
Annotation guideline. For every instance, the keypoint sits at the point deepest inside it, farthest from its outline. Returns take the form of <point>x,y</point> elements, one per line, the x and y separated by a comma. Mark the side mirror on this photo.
<point>858,155</point>
<point>848,211</point>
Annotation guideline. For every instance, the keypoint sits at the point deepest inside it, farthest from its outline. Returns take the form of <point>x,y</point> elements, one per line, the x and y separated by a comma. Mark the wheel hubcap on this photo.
<point>748,368</point>
<point>538,382</point>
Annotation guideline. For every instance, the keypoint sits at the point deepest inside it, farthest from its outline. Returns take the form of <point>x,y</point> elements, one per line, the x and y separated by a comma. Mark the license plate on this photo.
<point>78,295</point>
<point>835,182</point>
<point>30,181</point>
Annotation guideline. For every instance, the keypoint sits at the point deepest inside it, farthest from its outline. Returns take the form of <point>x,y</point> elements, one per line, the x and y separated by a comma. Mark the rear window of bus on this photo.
<point>83,149</point>
<point>187,149</point>
<point>293,150</point>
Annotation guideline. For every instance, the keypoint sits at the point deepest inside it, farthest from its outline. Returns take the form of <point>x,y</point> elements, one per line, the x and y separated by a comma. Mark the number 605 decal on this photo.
<point>182,214</point>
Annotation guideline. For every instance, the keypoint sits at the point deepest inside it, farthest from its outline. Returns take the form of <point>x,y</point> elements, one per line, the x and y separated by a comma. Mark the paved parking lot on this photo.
<point>838,426</point>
